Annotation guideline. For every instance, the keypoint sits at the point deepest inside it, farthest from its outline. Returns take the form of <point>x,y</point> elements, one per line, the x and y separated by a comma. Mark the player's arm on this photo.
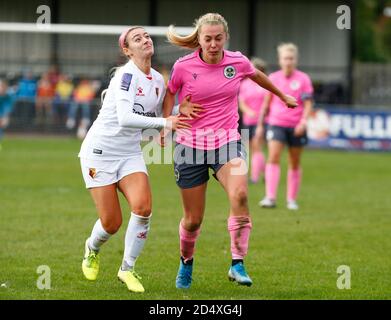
<point>261,79</point>
<point>264,112</point>
<point>125,93</point>
<point>168,103</point>
<point>186,107</point>
<point>302,126</point>
<point>308,102</point>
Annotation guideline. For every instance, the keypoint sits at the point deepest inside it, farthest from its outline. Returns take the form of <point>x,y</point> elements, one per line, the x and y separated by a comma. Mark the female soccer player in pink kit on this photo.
<point>212,77</point>
<point>286,126</point>
<point>251,98</point>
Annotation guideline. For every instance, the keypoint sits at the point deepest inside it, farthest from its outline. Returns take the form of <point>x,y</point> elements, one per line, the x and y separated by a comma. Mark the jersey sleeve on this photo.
<point>125,92</point>
<point>175,81</point>
<point>125,87</point>
<point>247,67</point>
<point>308,89</point>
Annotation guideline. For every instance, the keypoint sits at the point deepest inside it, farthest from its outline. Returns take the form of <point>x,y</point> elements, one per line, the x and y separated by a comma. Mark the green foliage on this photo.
<point>372,36</point>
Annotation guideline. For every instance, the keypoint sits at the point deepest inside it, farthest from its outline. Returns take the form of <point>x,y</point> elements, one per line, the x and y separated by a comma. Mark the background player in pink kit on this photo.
<point>286,126</point>
<point>251,98</point>
<point>212,77</point>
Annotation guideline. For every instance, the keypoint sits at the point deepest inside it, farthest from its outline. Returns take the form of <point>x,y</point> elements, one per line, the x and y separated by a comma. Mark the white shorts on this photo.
<point>99,173</point>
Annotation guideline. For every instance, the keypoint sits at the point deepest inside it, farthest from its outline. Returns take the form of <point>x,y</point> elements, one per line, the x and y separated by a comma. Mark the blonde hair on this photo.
<point>191,41</point>
<point>288,46</point>
<point>259,64</point>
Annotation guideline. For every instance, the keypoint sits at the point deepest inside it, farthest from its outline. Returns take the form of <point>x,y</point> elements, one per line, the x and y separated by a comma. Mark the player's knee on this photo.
<point>239,196</point>
<point>192,224</point>
<point>274,159</point>
<point>294,166</point>
<point>111,225</point>
<point>144,210</point>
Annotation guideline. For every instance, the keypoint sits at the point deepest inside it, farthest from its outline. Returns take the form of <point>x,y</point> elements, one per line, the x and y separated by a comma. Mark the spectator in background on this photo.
<point>44,100</point>
<point>6,102</point>
<point>63,97</point>
<point>25,95</point>
<point>53,75</point>
<point>83,95</point>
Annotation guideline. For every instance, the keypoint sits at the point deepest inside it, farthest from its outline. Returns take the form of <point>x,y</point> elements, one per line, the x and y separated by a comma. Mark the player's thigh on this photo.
<point>137,191</point>
<point>276,139</point>
<point>233,177</point>
<point>108,206</point>
<point>294,156</point>
<point>193,200</point>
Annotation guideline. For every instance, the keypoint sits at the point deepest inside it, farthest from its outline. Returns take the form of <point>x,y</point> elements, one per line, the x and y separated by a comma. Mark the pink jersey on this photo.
<point>297,85</point>
<point>216,88</point>
<point>252,95</point>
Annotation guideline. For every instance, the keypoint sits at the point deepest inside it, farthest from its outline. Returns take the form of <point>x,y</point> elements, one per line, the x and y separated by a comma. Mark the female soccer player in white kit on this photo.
<point>111,156</point>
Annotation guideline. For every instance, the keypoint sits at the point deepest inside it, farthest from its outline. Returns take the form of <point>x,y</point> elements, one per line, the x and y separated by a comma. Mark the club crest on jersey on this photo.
<point>125,81</point>
<point>294,85</point>
<point>229,72</point>
<point>92,172</point>
<point>194,76</point>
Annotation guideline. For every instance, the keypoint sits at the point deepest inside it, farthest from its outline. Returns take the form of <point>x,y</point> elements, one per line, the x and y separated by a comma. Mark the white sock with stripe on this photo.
<point>136,235</point>
<point>98,236</point>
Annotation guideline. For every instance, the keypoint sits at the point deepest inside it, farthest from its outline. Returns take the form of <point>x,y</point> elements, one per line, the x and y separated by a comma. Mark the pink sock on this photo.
<point>239,229</point>
<point>294,180</point>
<point>187,242</point>
<point>272,176</point>
<point>257,165</point>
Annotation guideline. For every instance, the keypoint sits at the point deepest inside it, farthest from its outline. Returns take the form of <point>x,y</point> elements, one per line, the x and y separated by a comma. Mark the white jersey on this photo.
<point>133,101</point>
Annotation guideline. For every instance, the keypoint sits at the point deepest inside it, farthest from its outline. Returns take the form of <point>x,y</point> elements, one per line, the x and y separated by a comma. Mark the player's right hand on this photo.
<point>290,101</point>
<point>177,122</point>
<point>190,109</point>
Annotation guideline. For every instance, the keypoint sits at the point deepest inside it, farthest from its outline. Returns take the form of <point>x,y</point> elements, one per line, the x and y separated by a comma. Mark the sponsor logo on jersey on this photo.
<point>139,109</point>
<point>140,92</point>
<point>97,151</point>
<point>229,72</point>
<point>92,172</point>
<point>294,85</point>
<point>126,81</point>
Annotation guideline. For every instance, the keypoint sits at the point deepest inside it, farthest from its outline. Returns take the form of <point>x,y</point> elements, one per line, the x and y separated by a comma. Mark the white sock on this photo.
<point>136,235</point>
<point>98,236</point>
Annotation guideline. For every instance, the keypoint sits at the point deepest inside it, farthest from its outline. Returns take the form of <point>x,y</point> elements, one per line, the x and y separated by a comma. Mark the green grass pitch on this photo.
<point>345,219</point>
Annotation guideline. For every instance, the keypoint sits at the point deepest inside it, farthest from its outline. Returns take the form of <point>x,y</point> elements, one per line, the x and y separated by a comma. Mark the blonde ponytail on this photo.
<point>191,41</point>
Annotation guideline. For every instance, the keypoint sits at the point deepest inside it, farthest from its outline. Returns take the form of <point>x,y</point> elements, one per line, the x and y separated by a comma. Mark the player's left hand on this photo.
<point>300,129</point>
<point>190,109</point>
